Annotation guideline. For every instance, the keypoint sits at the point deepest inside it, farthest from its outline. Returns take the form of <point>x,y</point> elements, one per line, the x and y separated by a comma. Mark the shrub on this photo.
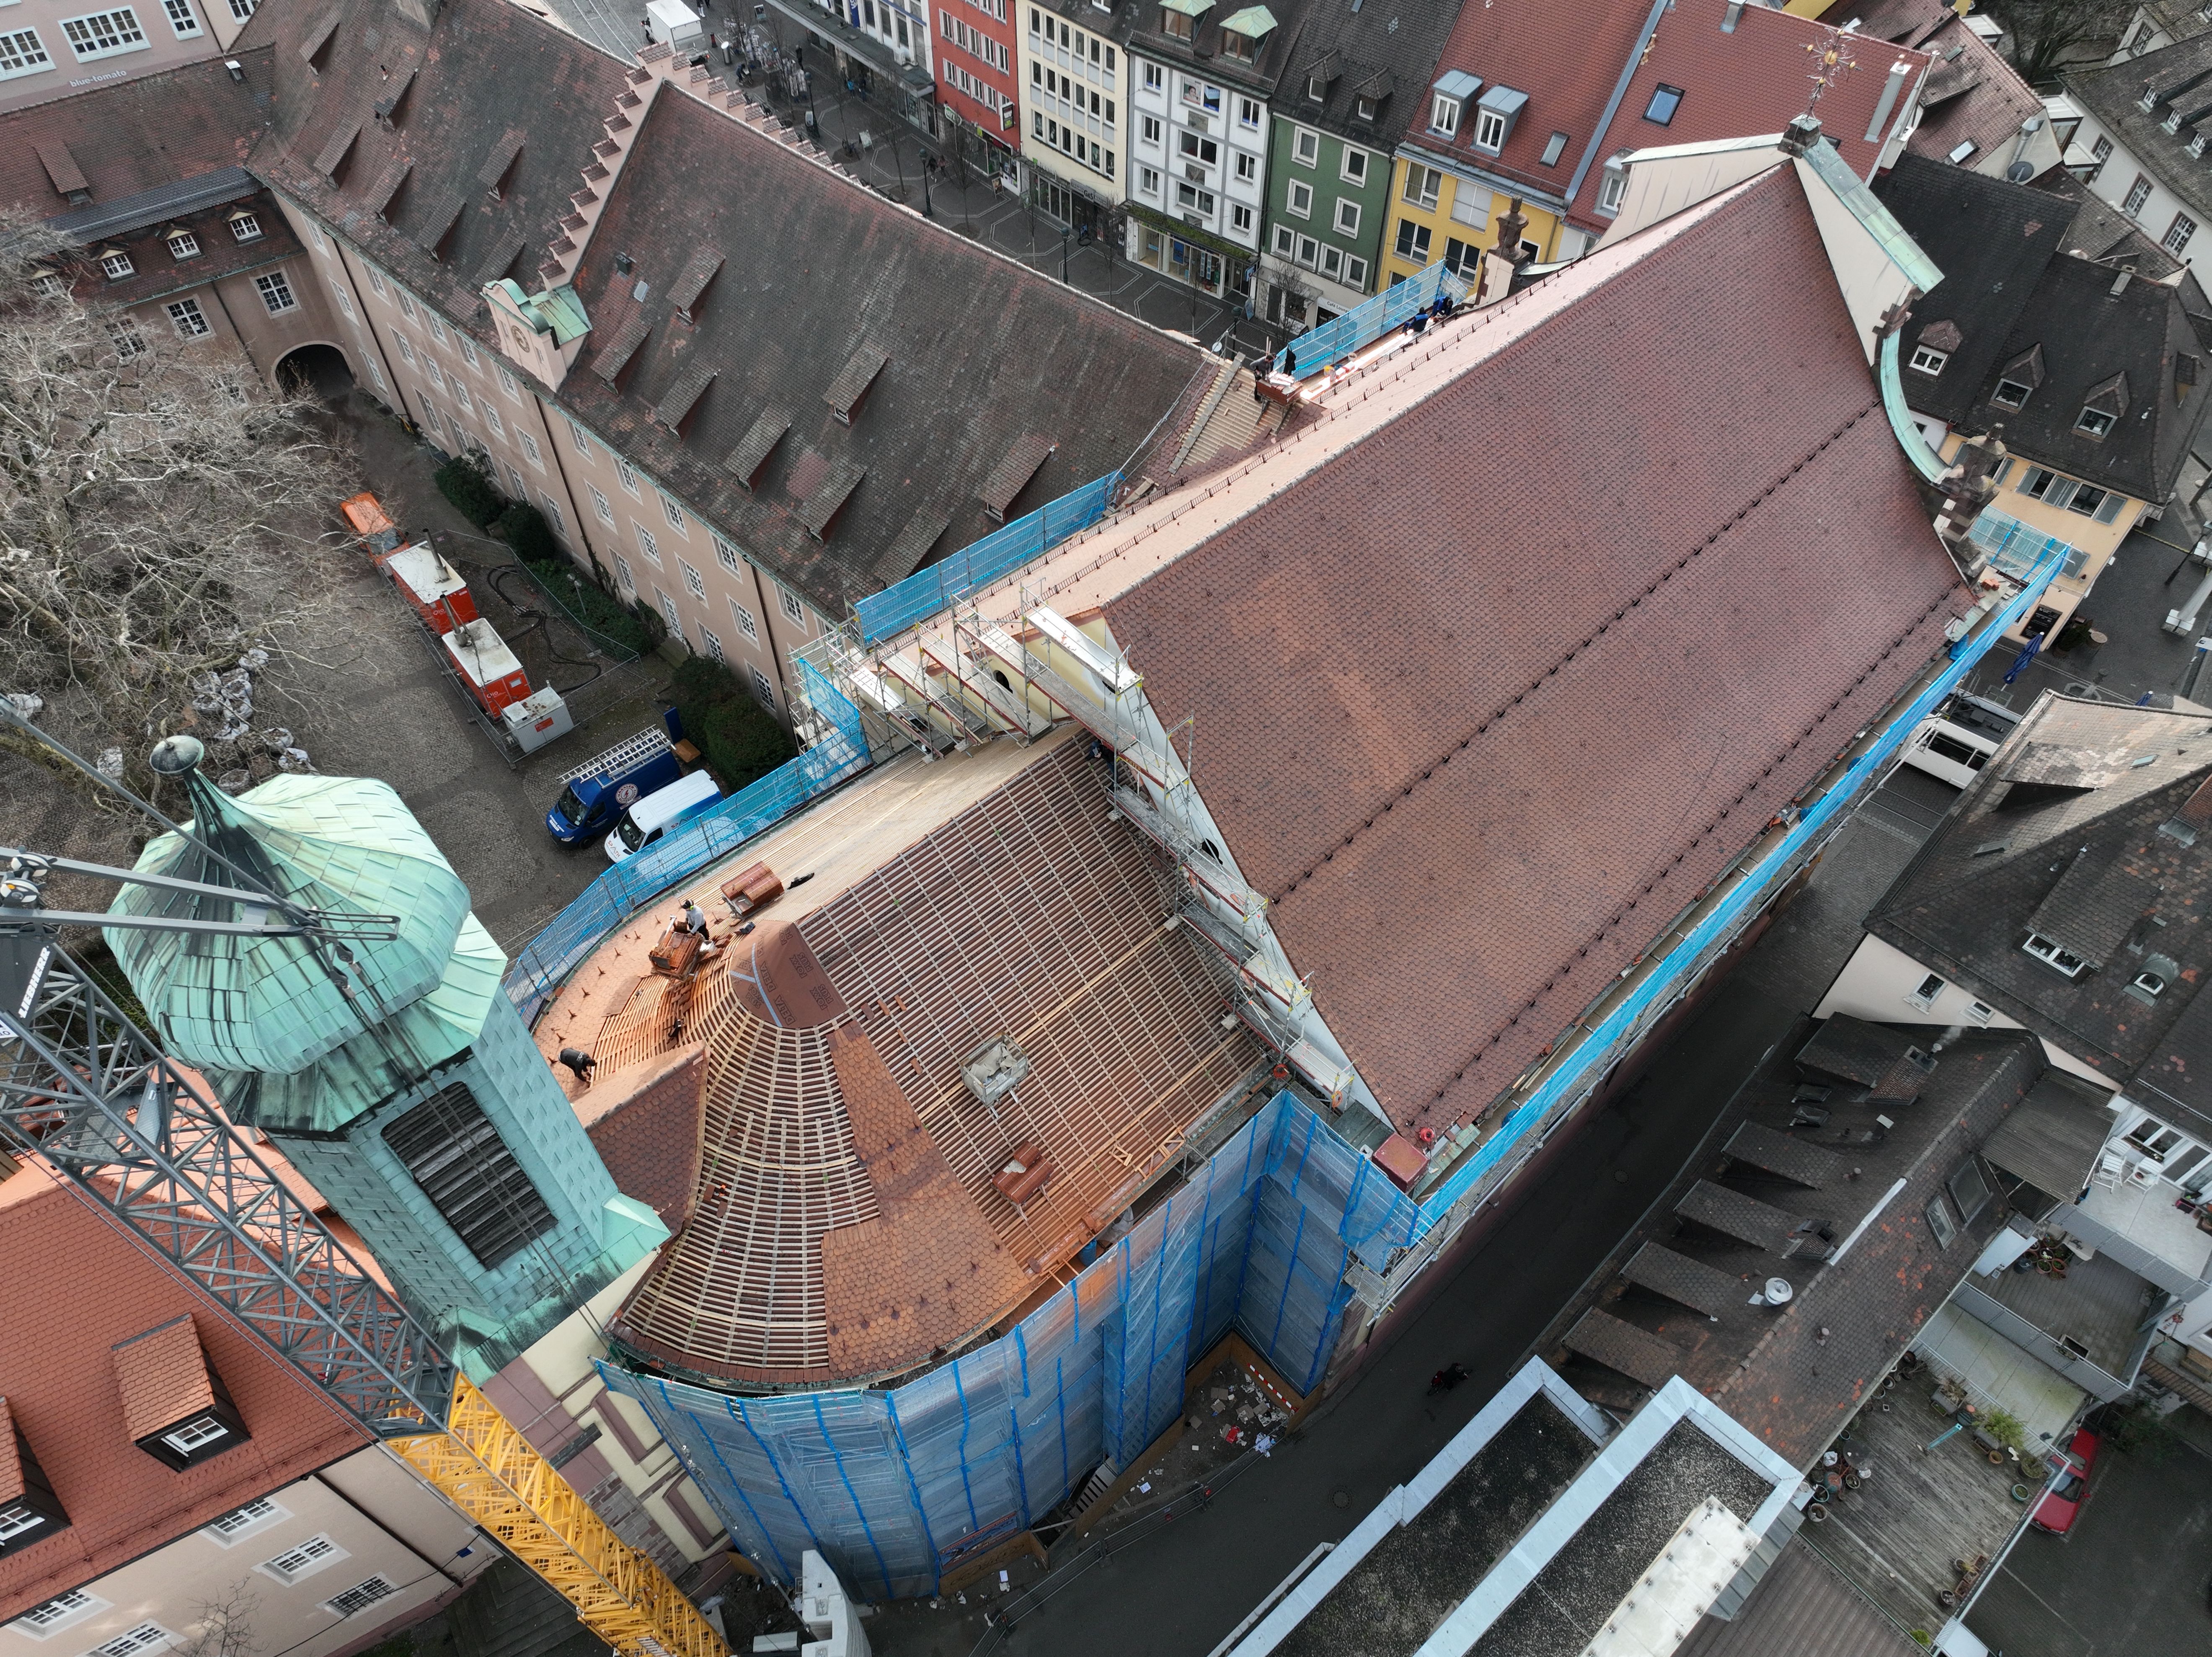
<point>630,629</point>
<point>467,480</point>
<point>524,527</point>
<point>740,739</point>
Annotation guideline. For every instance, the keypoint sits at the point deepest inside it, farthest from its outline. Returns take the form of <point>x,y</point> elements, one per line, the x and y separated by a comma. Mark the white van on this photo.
<point>1947,750</point>
<point>649,818</point>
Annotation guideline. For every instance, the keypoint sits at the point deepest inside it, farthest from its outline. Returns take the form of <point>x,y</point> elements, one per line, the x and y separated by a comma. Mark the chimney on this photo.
<point>1888,102</point>
<point>1510,223</point>
<point>2197,810</point>
<point>1729,17</point>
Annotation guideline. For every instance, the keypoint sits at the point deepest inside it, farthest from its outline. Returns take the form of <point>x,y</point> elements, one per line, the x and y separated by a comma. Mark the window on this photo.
<point>1413,242</point>
<point>406,304</point>
<point>1301,199</point>
<point>376,282</point>
<point>1309,251</point>
<point>1941,1225</point>
<point>2054,954</point>
<point>1240,218</point>
<point>294,1564</point>
<point>1176,25</point>
<point>276,292</point>
<point>515,476</point>
<point>461,396</point>
<point>693,581</point>
<point>1247,112</point>
<point>2138,194</point>
<point>2150,984</point>
<point>2054,489</point>
<point>1554,147</point>
<point>743,618</point>
<point>1665,101</point>
<point>646,544</point>
<point>1153,78</point>
<point>1490,127</point>
<point>1247,167</point>
<point>1355,272</point>
<point>377,374</point>
<point>451,1149</point>
<point>196,1436</point>
<point>49,285</point>
<point>20,53</point>
<point>344,300</point>
<point>127,342</point>
<point>714,645</point>
<point>553,515</point>
<point>147,1636</point>
<point>1284,240</point>
<point>1305,148</point>
<point>1347,218</point>
<point>2096,422</point>
<point>1927,360</point>
<point>437,374</point>
<point>629,476</point>
<point>430,417</point>
<point>361,1596</point>
<point>1924,993</point>
<point>1422,185</point>
<point>725,554</point>
<point>1332,261</point>
<point>529,443</point>
<point>187,315</point>
<point>468,349</point>
<point>103,33</point>
<point>580,437</point>
<point>2101,149</point>
<point>2010,394</point>
<point>1151,129</point>
<point>793,611</point>
<point>1443,115</point>
<point>183,19</point>
<point>1612,192</point>
<point>2091,502</point>
<point>763,690</point>
<point>437,330</point>
<point>183,244</point>
<point>669,613</point>
<point>14,1522</point>
<point>1354,169</point>
<point>508,384</point>
<point>621,569</point>
<point>1203,150</point>
<point>1196,200</point>
<point>72,1605</point>
<point>118,265</point>
<point>243,226</point>
<point>606,513</point>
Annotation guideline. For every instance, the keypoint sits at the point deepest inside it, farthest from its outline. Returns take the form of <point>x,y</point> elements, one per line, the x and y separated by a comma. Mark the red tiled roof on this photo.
<point>11,1460</point>
<point>1496,693</point>
<point>73,1287</point>
<point>134,136</point>
<point>1991,100</point>
<point>163,1376</point>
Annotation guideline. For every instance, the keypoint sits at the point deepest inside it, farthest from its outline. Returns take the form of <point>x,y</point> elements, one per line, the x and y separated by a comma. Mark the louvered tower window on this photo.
<point>455,1154</point>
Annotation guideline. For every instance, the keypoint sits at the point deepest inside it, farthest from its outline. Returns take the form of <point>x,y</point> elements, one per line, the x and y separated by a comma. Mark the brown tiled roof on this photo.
<point>501,158</point>
<point>746,459</point>
<point>698,271</point>
<point>829,497</point>
<point>622,345</point>
<point>911,545</point>
<point>684,396</point>
<point>1012,475</point>
<point>1475,771</point>
<point>335,148</point>
<point>84,1288</point>
<point>1988,99</point>
<point>645,1124</point>
<point>134,136</point>
<point>851,384</point>
<point>162,1375</point>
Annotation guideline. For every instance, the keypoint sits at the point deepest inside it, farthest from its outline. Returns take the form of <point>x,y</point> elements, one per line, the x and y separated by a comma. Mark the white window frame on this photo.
<point>1347,216</point>
<point>2054,956</point>
<point>344,299</point>
<point>694,583</point>
<point>65,1610</point>
<point>626,475</point>
<point>19,1520</point>
<point>1347,172</point>
<point>553,514</point>
<point>714,645</point>
<point>184,21</point>
<point>377,1588</point>
<point>1355,272</point>
<point>1240,217</point>
<point>276,295</point>
<point>117,266</point>
<point>622,571</point>
<point>147,1636</point>
<point>673,513</point>
<point>648,545</point>
<point>1927,360</point>
<point>530,449</point>
<point>1298,200</point>
<point>1490,127</point>
<point>743,618</point>
<point>183,244</point>
<point>195,1435</point>
<point>1444,114</point>
<point>189,320</point>
<point>304,1559</point>
<point>121,38</point>
<point>581,438</point>
<point>1305,146</point>
<point>669,613</point>
<point>763,692</point>
<point>601,506</point>
<point>22,53</point>
<point>794,611</point>
<point>1285,241</point>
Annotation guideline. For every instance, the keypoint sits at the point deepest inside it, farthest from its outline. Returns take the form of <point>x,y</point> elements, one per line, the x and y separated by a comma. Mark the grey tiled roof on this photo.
<point>2181,76</point>
<point>163,201</point>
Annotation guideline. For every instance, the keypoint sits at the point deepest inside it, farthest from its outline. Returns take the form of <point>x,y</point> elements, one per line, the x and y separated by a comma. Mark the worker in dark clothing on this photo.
<point>581,1062</point>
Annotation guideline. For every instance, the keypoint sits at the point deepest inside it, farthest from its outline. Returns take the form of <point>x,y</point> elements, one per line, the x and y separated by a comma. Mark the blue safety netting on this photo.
<point>979,563</point>
<point>893,1487</point>
<point>1318,350</point>
<point>538,970</point>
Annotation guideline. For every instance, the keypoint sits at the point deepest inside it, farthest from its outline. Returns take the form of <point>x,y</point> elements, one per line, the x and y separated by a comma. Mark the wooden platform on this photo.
<point>1732,1214</point>
<point>1917,1510</point>
<point>1682,1279</point>
<point>1637,1353</point>
<point>1778,1153</point>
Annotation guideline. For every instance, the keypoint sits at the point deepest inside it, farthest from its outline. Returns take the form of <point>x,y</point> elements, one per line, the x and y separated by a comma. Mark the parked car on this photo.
<point>595,792</point>
<point>2057,1510</point>
<point>665,809</point>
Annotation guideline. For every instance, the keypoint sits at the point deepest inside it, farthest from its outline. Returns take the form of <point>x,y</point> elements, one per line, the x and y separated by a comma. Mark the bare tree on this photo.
<point>2048,35</point>
<point>224,1625</point>
<point>161,516</point>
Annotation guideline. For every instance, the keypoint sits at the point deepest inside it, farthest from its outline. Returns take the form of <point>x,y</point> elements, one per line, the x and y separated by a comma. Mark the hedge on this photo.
<point>466,481</point>
<point>738,738</point>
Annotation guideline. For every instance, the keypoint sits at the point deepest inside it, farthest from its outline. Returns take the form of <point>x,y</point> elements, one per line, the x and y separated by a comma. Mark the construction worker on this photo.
<point>694,917</point>
<point>581,1064</point>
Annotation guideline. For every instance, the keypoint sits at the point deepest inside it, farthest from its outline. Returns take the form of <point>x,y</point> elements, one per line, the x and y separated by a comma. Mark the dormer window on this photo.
<point>1443,115</point>
<point>1363,109</point>
<point>1316,88</point>
<point>1614,190</point>
<point>1927,360</point>
<point>1495,113</point>
<point>2055,954</point>
<point>245,226</point>
<point>1178,18</point>
<point>2150,983</point>
<point>1234,45</point>
<point>2094,422</point>
<point>48,285</point>
<point>2010,394</point>
<point>1448,102</point>
<point>2197,141</point>
<point>2148,101</point>
<point>183,244</point>
<point>174,1405</point>
<point>117,264</point>
<point>2103,407</point>
<point>2172,121</point>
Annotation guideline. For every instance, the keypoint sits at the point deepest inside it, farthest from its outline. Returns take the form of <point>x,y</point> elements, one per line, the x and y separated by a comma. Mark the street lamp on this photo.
<point>1063,255</point>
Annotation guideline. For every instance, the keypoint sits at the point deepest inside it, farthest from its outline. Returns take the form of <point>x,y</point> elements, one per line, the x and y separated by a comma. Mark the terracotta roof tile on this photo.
<point>11,1460</point>
<point>1476,778</point>
<point>830,496</point>
<point>501,158</point>
<point>162,1375</point>
<point>63,1391</point>
<point>684,396</point>
<point>697,273</point>
<point>61,166</point>
<point>851,384</point>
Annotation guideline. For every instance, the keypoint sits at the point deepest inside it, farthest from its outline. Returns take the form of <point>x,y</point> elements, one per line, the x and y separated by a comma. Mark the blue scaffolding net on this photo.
<point>894,1488</point>
<point>978,564</point>
<point>1318,350</point>
<point>538,970</point>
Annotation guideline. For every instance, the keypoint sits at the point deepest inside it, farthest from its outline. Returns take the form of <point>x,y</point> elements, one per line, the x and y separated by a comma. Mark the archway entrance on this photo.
<point>319,368</point>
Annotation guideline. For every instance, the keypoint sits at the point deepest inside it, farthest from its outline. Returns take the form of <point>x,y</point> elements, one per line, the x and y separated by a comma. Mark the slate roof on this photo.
<point>1203,55</point>
<point>2181,77</point>
<point>1974,96</point>
<point>1770,1367</point>
<point>63,1390</point>
<point>819,274</point>
<point>2011,283</point>
<point>139,226</point>
<point>1420,749</point>
<point>2065,811</point>
<point>1397,39</point>
<point>135,138</point>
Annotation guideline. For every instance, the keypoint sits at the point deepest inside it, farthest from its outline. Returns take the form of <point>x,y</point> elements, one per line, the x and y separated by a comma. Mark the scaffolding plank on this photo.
<point>1778,1153</point>
<point>1618,1344</point>
<point>1735,1214</point>
<point>1682,1279</point>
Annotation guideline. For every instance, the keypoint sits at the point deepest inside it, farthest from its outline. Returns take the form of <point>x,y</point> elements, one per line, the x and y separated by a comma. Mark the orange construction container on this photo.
<point>487,667</point>
<point>378,533</point>
<point>431,587</point>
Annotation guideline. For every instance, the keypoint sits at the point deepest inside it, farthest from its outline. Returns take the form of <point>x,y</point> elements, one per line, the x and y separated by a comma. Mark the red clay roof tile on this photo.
<point>163,1376</point>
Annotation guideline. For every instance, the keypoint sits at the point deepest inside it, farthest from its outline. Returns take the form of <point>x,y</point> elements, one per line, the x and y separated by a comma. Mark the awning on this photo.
<point>2053,1137</point>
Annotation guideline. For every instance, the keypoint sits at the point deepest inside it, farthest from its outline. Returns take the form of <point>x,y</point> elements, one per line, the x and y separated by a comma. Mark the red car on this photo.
<point>2057,1512</point>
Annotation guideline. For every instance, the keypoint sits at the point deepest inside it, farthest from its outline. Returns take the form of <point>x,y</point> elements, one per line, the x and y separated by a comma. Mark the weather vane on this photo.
<point>1831,63</point>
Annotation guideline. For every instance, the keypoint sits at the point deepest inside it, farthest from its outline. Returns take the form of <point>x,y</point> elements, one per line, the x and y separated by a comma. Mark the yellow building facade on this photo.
<point>2088,516</point>
<point>1440,213</point>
